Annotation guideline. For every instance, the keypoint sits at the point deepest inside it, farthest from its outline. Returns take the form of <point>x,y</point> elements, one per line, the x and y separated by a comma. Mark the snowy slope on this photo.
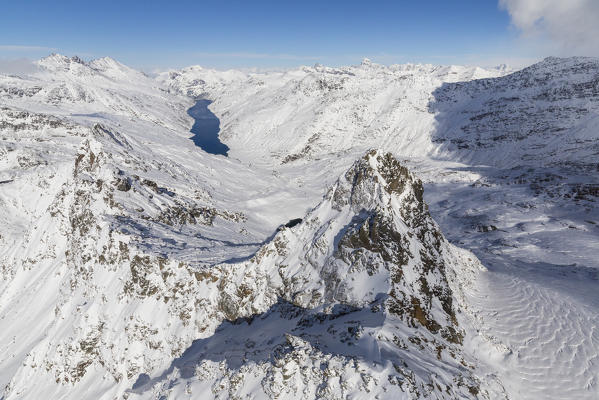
<point>135,265</point>
<point>544,114</point>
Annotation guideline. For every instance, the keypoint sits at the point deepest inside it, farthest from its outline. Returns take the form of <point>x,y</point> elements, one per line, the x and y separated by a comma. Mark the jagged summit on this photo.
<point>374,178</point>
<point>104,65</point>
<point>372,227</point>
<point>371,251</point>
<point>55,60</point>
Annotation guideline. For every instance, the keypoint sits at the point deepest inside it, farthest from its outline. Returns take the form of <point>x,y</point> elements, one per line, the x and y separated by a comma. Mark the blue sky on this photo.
<point>222,34</point>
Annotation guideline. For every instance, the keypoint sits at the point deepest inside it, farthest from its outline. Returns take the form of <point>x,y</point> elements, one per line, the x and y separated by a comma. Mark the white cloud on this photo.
<point>256,56</point>
<point>571,27</point>
<point>19,66</point>
<point>10,47</point>
<point>18,59</point>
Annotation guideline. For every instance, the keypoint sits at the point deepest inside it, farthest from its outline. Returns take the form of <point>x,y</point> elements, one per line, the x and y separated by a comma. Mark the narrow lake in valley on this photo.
<point>206,129</point>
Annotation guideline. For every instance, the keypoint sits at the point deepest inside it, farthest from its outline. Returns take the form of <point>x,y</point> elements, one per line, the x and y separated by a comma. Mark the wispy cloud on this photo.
<point>18,59</point>
<point>250,55</point>
<point>567,26</point>
<point>11,47</point>
<point>19,66</point>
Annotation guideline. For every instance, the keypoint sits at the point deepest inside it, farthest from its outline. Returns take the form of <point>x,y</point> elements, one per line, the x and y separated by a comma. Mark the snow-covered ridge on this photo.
<point>545,114</point>
<point>75,65</point>
<point>367,264</point>
<point>94,91</point>
<point>463,113</point>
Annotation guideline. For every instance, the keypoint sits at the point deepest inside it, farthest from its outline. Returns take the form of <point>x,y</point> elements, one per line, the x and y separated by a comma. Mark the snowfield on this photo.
<point>448,244</point>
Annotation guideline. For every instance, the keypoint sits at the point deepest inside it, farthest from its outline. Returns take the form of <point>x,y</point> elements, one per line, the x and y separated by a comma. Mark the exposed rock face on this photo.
<point>369,250</point>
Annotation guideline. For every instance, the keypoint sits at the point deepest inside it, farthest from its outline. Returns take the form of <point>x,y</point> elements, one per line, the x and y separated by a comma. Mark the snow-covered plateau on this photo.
<point>389,232</point>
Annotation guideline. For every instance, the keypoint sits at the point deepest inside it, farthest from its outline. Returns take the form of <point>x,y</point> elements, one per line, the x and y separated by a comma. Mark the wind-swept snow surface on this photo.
<point>135,265</point>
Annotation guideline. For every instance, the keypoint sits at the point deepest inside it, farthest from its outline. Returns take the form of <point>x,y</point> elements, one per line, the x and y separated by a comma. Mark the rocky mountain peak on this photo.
<point>376,180</point>
<point>56,60</point>
<point>386,170</point>
<point>368,250</point>
<point>392,221</point>
<point>371,227</point>
<point>105,66</point>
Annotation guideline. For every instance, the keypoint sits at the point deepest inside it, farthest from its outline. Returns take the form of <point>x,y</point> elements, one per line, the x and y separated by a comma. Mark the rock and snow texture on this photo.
<point>355,300</point>
<point>134,265</point>
<point>545,114</point>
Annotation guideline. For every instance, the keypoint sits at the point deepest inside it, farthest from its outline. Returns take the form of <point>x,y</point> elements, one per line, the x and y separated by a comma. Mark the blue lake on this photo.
<point>206,128</point>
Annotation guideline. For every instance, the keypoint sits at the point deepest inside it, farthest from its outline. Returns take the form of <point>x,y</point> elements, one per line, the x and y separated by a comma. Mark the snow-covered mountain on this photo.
<point>135,265</point>
<point>363,298</point>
